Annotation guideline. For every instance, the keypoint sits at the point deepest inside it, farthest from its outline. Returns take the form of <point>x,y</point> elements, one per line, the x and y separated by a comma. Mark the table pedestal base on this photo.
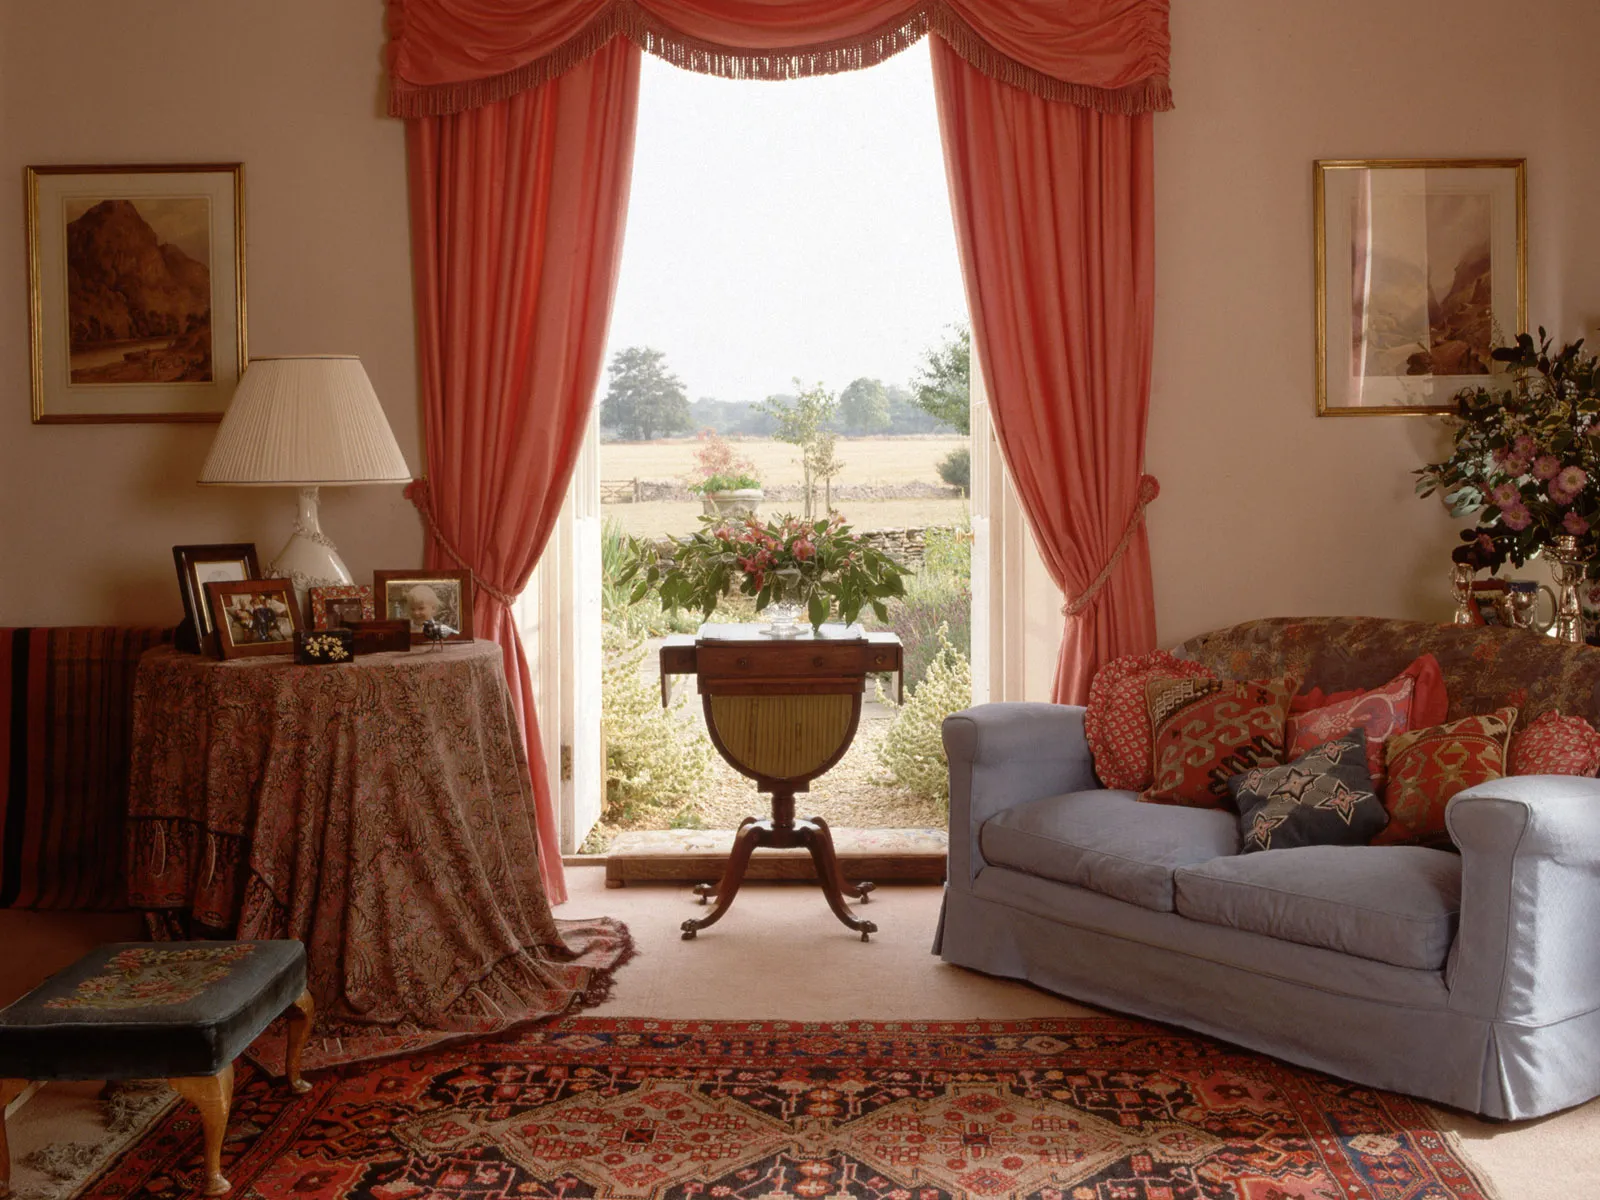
<point>814,835</point>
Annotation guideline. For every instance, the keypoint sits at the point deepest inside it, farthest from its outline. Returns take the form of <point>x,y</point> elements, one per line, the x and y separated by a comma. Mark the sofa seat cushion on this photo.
<point>1108,842</point>
<point>1393,904</point>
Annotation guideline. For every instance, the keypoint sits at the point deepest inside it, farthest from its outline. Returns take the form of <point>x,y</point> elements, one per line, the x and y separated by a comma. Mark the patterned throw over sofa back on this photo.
<point>1483,667</point>
<point>66,710</point>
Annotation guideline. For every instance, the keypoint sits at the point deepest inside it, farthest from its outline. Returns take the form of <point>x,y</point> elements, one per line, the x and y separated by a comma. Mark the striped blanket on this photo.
<point>66,697</point>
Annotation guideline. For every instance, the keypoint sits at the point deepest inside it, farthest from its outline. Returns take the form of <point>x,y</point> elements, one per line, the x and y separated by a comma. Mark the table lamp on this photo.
<point>305,421</point>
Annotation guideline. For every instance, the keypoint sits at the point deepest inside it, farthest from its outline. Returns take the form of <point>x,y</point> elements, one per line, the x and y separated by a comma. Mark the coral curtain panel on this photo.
<point>517,214</point>
<point>450,55</point>
<point>1054,207</point>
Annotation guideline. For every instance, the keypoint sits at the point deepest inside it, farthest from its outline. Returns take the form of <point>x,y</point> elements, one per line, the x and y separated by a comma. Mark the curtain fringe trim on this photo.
<point>626,19</point>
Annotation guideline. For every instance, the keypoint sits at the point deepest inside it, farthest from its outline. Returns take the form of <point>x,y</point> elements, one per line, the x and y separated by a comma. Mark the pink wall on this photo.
<point>292,89</point>
<point>1267,509</point>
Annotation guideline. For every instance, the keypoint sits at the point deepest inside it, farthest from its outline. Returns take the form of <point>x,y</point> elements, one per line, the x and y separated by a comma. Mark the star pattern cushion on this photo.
<point>1116,722</point>
<point>1555,745</point>
<point>1322,798</point>
<point>1205,731</point>
<point>1428,766</point>
<point>1413,699</point>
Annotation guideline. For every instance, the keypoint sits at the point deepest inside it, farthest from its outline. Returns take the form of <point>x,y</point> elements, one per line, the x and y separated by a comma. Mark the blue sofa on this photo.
<point>1470,978</point>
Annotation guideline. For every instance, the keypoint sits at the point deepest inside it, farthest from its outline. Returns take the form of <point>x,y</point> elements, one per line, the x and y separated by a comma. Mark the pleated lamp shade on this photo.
<point>305,421</point>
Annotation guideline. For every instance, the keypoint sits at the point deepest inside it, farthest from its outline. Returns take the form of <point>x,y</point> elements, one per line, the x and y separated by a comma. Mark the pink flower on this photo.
<point>1572,480</point>
<point>1523,446</point>
<point>1506,495</point>
<point>1515,516</point>
<point>1515,466</point>
<point>1546,466</point>
<point>803,550</point>
<point>1574,524</point>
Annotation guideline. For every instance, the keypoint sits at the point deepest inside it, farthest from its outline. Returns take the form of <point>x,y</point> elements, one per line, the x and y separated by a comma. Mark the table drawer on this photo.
<point>799,660</point>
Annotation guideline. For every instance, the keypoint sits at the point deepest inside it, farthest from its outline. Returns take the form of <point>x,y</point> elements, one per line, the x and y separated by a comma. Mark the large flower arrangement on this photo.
<point>1526,456</point>
<point>821,566</point>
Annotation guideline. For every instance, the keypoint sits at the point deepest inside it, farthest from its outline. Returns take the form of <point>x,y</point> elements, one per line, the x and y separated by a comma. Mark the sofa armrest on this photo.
<point>1001,755</point>
<point>1527,950</point>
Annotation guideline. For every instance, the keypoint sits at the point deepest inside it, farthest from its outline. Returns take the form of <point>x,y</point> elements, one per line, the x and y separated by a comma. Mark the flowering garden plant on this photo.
<point>718,469</point>
<point>821,566</point>
<point>1526,456</point>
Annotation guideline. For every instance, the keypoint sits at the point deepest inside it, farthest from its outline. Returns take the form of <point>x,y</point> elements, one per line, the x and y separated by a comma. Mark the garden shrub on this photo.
<point>656,760</point>
<point>955,469</point>
<point>913,750</point>
<point>940,594</point>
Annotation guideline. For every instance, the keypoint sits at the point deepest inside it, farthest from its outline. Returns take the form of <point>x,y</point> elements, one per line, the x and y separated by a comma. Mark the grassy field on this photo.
<point>659,518</point>
<point>866,460</point>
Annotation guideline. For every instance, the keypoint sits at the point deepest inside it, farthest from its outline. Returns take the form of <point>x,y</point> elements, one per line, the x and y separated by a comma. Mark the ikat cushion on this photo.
<point>1555,745</point>
<point>1413,699</point>
<point>1428,766</point>
<point>1205,731</point>
<point>1323,798</point>
<point>1116,722</point>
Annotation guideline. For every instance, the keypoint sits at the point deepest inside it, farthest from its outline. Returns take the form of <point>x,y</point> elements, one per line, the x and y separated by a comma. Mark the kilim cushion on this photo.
<point>1556,745</point>
<point>1413,699</point>
<point>1323,798</point>
<point>1205,731</point>
<point>1117,723</point>
<point>1428,766</point>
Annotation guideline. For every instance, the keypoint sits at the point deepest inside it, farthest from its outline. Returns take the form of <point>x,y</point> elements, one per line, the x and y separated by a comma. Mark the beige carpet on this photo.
<point>780,953</point>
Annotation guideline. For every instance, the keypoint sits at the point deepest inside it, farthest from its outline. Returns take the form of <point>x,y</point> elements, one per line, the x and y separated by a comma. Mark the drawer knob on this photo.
<point>817,661</point>
<point>879,660</point>
<point>743,662</point>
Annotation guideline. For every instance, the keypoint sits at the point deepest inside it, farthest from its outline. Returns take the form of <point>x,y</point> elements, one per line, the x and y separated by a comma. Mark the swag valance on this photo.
<point>447,56</point>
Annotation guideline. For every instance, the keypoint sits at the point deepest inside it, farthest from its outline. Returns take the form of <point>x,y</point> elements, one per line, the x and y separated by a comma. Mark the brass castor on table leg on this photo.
<point>690,928</point>
<point>867,930</point>
<point>864,891</point>
<point>705,891</point>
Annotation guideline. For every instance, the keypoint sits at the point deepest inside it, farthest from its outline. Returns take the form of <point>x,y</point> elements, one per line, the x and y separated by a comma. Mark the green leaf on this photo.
<point>818,608</point>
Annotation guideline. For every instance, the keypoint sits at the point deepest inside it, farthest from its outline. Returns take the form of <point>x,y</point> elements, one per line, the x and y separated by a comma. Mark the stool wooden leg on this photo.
<point>301,1015</point>
<point>213,1096</point>
<point>10,1089</point>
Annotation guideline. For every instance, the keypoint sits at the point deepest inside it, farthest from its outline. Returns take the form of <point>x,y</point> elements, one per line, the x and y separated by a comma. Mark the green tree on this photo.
<point>864,407</point>
<point>943,385</point>
<point>644,400</point>
<point>807,421</point>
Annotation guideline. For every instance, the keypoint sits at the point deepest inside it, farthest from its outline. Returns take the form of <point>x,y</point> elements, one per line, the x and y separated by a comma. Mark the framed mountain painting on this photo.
<point>136,305</point>
<point>1421,272</point>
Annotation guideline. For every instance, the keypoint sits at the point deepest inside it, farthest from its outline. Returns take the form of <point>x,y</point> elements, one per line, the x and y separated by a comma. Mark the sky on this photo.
<point>788,229</point>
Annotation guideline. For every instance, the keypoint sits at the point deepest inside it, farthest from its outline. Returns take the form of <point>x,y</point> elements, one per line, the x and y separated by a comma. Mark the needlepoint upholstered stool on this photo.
<point>179,1011</point>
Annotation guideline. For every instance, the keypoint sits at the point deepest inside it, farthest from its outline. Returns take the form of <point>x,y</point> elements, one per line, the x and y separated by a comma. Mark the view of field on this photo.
<point>882,464</point>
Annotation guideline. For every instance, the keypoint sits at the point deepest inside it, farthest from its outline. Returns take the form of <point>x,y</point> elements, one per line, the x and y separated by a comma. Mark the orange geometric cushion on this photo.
<point>1205,731</point>
<point>1415,698</point>
<point>1556,745</point>
<point>1428,766</point>
<point>1116,722</point>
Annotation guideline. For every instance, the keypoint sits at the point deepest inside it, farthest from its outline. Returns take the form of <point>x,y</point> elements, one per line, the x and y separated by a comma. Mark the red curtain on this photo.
<point>517,212</point>
<point>1054,210</point>
<point>449,55</point>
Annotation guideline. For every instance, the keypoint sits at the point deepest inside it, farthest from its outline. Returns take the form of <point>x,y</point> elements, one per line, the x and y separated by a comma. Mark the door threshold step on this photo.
<point>698,856</point>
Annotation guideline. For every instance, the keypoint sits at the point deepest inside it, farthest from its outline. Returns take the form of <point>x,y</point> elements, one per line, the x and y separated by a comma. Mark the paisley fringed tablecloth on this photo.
<point>379,811</point>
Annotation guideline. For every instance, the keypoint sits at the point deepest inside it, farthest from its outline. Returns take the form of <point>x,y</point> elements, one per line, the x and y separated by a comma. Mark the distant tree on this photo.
<point>807,421</point>
<point>644,400</point>
<point>943,385</point>
<point>955,469</point>
<point>907,416</point>
<point>864,407</point>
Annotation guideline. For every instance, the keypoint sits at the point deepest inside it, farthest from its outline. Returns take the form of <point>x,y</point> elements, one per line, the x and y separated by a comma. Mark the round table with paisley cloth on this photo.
<point>381,812</point>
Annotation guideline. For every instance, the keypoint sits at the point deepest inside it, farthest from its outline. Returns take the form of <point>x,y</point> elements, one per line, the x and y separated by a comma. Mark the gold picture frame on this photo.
<point>163,342</point>
<point>1438,275</point>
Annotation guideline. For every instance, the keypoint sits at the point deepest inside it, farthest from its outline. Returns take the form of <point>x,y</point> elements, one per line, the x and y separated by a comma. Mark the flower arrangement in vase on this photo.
<point>727,484</point>
<point>1526,457</point>
<point>788,565</point>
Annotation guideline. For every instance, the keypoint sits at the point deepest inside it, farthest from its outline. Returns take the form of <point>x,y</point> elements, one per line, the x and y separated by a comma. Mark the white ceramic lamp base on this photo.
<point>308,558</point>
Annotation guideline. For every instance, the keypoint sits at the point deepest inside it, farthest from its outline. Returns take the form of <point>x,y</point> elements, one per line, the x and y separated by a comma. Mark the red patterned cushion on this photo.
<point>1555,745</point>
<point>1428,766</point>
<point>1117,723</point>
<point>1205,731</point>
<point>1415,698</point>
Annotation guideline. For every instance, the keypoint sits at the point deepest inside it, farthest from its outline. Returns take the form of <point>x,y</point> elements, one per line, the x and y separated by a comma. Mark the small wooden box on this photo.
<point>324,647</point>
<point>375,637</point>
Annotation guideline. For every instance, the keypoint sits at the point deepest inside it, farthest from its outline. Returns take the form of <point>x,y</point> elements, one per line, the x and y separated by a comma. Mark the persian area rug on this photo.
<point>1097,1109</point>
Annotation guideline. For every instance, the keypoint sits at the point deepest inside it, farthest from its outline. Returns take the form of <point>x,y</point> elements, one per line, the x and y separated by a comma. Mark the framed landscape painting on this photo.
<point>136,303</point>
<point>1421,272</point>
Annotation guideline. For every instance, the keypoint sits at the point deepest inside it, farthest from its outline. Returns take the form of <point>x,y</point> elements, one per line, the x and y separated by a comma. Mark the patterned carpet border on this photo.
<point>638,1109</point>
